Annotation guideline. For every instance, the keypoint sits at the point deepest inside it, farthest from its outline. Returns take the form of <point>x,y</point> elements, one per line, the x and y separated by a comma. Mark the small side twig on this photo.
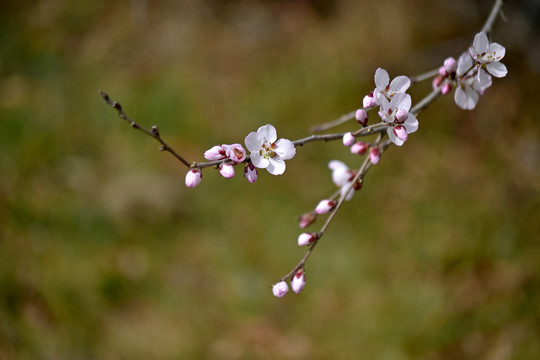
<point>154,132</point>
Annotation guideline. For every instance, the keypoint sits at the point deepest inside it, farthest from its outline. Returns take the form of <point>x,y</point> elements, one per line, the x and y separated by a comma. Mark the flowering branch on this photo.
<point>470,76</point>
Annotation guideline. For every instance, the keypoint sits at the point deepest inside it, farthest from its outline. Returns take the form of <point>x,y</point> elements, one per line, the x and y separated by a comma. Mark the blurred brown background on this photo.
<point>104,254</point>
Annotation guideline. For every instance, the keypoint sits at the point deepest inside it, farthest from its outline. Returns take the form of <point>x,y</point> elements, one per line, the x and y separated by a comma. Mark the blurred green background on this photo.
<point>105,254</point>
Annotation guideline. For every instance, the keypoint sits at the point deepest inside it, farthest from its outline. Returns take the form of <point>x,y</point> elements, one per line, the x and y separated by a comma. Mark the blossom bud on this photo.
<point>446,88</point>
<point>280,289</point>
<point>348,139</point>
<point>215,153</point>
<point>450,65</point>
<point>250,172</point>
<point>226,170</point>
<point>236,153</point>
<point>442,72</point>
<point>359,148</point>
<point>369,101</point>
<point>298,281</point>
<point>361,116</point>
<point>401,132</point>
<point>307,219</point>
<point>437,81</point>
<point>357,185</point>
<point>375,155</point>
<point>193,178</point>
<point>305,239</point>
<point>325,206</point>
<point>401,116</point>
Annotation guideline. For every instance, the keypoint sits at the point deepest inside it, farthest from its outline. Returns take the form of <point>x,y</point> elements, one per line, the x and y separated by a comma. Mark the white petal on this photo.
<point>497,50</point>
<point>400,84</point>
<point>381,79</point>
<point>480,43</point>
<point>403,102</point>
<point>254,141</point>
<point>350,193</point>
<point>285,149</point>
<point>483,78</point>
<point>465,63</point>
<point>383,102</point>
<point>276,166</point>
<point>336,164</point>
<point>341,176</point>
<point>269,133</point>
<point>466,98</point>
<point>497,69</point>
<point>259,161</point>
<point>411,124</point>
<point>393,137</point>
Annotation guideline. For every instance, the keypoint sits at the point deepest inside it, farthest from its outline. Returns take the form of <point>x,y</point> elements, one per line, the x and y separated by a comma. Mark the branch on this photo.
<point>154,133</point>
<point>495,11</point>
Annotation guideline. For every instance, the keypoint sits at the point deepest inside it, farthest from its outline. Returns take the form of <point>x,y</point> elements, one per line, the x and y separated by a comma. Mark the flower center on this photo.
<point>267,150</point>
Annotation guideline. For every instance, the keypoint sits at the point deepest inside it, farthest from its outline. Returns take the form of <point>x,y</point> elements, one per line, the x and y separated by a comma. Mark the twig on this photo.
<point>154,133</point>
<point>495,11</point>
<point>330,124</point>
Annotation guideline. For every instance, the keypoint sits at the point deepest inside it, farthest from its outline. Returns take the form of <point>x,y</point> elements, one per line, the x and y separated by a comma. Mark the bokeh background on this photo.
<point>105,254</point>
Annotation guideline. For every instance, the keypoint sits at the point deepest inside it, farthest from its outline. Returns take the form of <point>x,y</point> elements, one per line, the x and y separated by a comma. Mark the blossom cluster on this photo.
<point>267,152</point>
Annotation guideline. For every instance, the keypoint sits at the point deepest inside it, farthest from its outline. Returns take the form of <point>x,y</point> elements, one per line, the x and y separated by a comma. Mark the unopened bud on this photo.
<point>348,139</point>
<point>450,65</point>
<point>215,153</point>
<point>362,117</point>
<point>307,219</point>
<point>359,148</point>
<point>298,281</point>
<point>401,132</point>
<point>306,239</point>
<point>193,178</point>
<point>446,88</point>
<point>437,81</point>
<point>226,170</point>
<point>236,153</point>
<point>442,72</point>
<point>280,289</point>
<point>374,155</point>
<point>369,101</point>
<point>401,116</point>
<point>250,173</point>
<point>325,206</point>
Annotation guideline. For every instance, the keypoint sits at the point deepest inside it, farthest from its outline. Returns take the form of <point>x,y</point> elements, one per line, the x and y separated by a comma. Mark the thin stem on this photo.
<point>330,124</point>
<point>424,76</point>
<point>154,133</point>
<point>424,103</point>
<point>495,11</point>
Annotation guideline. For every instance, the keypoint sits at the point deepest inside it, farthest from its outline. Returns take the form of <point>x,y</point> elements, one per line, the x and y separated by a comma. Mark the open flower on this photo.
<point>396,112</point>
<point>388,89</point>
<point>487,57</point>
<point>469,88</point>
<point>266,152</point>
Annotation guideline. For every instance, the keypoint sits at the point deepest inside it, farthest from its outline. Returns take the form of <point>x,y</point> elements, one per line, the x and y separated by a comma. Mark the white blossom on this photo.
<point>266,152</point>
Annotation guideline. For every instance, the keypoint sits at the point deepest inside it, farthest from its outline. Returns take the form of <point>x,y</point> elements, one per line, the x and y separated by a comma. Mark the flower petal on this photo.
<point>269,133</point>
<point>411,124</point>
<point>465,63</point>
<point>393,137</point>
<point>466,98</point>
<point>497,69</point>
<point>254,141</point>
<point>336,164</point>
<point>483,78</point>
<point>285,149</point>
<point>480,43</point>
<point>381,79</point>
<point>259,161</point>
<point>276,166</point>
<point>403,101</point>
<point>400,84</point>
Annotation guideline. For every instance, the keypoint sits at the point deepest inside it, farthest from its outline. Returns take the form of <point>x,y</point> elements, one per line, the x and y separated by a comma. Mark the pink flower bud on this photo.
<point>401,132</point>
<point>250,172</point>
<point>215,153</point>
<point>401,116</point>
<point>442,72</point>
<point>307,219</point>
<point>305,239</point>
<point>374,155</point>
<point>369,101</point>
<point>236,153</point>
<point>348,139</point>
<point>446,88</point>
<point>325,206</point>
<point>226,170</point>
<point>437,81</point>
<point>298,281</point>
<point>280,289</point>
<point>359,148</point>
<point>450,65</point>
<point>361,116</point>
<point>193,178</point>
